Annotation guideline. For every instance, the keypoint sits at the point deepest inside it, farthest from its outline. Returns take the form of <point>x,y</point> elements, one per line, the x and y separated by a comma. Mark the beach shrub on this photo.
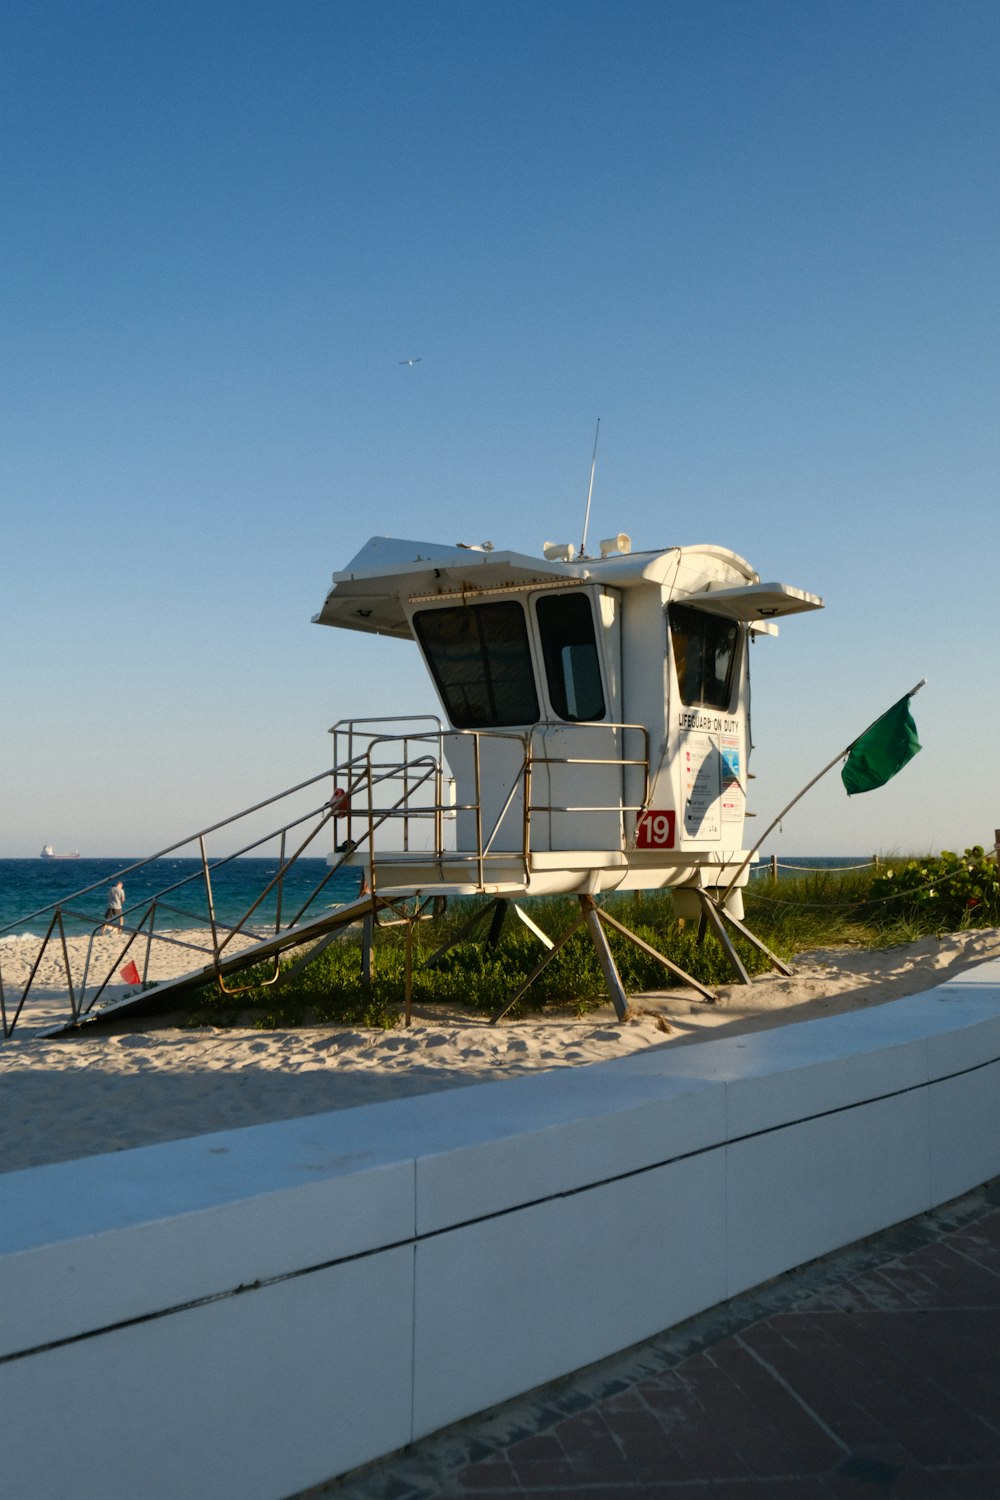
<point>947,893</point>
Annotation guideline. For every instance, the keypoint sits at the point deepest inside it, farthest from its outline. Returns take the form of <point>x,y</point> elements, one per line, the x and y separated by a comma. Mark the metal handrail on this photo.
<point>149,859</point>
<point>398,767</point>
<point>141,917</point>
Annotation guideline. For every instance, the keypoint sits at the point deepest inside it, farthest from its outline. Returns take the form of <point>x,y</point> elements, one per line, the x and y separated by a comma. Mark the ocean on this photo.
<point>27,886</point>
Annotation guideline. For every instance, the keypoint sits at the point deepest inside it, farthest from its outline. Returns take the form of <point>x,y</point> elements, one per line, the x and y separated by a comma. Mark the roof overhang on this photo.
<point>371,592</point>
<point>389,574</point>
<point>757,601</point>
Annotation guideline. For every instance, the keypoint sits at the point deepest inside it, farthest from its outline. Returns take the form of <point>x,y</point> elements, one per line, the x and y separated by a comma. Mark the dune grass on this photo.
<point>900,900</point>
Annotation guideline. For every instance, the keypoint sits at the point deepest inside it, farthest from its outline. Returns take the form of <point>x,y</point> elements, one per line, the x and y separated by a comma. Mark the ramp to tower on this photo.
<point>335,815</point>
<point>159,997</point>
<point>179,909</point>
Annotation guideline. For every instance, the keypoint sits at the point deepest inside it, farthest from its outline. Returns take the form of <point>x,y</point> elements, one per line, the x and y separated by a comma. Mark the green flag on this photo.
<point>877,755</point>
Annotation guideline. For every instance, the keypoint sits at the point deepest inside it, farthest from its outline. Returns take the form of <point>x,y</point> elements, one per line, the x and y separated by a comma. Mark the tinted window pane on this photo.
<point>704,654</point>
<point>569,650</point>
<point>481,662</point>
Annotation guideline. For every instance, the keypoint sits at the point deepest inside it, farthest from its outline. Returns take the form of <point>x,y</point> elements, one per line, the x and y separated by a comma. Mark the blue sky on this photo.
<point>758,240</point>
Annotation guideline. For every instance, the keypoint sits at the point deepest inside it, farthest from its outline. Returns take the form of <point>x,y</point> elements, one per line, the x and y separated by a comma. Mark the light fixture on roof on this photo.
<point>559,551</point>
<point>620,543</point>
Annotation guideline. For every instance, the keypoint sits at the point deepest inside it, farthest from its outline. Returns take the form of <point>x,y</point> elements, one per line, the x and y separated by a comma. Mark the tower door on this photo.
<point>480,657</point>
<point>576,793</point>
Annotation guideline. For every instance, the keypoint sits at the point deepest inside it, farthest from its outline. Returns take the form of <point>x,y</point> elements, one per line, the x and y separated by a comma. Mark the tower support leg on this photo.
<point>494,909</point>
<point>675,969</point>
<point>605,958</point>
<point>554,949</point>
<point>496,926</point>
<point>710,915</point>
<point>715,914</point>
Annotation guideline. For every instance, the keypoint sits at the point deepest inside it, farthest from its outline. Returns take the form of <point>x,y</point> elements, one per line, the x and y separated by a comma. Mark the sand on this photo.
<point>81,1095</point>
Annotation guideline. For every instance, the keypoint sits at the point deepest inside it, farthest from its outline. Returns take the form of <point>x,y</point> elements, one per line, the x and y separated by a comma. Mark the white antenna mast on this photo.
<point>590,491</point>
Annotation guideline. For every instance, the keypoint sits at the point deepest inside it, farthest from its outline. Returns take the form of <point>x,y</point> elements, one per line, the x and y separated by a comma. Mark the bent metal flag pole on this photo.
<point>874,758</point>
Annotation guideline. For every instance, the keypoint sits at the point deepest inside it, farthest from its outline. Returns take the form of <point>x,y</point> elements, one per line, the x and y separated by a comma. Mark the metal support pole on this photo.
<point>745,932</point>
<point>479,807</point>
<point>508,1004</point>
<point>686,978</point>
<point>320,946</point>
<point>149,943</point>
<point>496,926</point>
<point>69,972</point>
<point>208,898</point>
<point>408,1002</point>
<point>281,881</point>
<point>367,947</point>
<point>532,927</point>
<point>462,933</point>
<point>605,958</point>
<point>710,914</point>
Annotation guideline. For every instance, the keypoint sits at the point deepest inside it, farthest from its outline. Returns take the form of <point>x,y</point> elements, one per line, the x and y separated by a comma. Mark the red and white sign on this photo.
<point>656,829</point>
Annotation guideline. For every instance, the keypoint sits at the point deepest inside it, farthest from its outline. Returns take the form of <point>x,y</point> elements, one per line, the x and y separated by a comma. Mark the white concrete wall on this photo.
<point>246,1314</point>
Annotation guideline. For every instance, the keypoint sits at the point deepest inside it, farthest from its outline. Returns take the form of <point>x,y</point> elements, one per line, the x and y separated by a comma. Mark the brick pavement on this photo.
<point>873,1372</point>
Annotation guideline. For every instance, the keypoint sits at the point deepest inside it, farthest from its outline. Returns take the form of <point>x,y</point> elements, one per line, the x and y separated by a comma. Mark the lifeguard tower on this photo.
<point>595,733</point>
<point>594,738</point>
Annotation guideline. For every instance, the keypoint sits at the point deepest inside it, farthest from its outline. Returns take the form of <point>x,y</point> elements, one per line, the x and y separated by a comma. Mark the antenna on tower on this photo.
<point>590,491</point>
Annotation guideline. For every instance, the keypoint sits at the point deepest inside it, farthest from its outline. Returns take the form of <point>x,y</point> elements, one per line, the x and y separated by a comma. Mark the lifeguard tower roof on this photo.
<point>370,593</point>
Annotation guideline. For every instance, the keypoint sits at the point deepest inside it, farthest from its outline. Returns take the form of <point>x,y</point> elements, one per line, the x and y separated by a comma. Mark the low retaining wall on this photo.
<point>247,1314</point>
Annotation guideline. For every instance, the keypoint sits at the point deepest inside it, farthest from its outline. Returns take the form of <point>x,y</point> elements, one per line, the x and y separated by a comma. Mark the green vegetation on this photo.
<point>897,901</point>
<point>949,893</point>
<point>873,907</point>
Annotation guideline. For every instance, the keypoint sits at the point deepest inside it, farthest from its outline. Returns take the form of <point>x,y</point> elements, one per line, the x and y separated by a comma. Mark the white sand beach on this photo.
<point>150,1081</point>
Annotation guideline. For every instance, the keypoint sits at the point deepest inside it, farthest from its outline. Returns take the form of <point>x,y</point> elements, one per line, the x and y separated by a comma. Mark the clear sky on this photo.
<point>759,240</point>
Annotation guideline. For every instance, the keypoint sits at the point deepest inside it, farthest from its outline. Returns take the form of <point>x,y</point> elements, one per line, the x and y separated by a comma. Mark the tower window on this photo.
<point>481,662</point>
<point>705,655</point>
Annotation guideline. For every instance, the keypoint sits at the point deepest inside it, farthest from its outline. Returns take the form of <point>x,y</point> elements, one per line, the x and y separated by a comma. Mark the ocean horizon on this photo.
<point>30,887</point>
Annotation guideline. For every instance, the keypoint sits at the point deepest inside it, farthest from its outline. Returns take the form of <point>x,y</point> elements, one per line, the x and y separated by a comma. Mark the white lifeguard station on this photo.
<point>595,733</point>
<point>595,738</point>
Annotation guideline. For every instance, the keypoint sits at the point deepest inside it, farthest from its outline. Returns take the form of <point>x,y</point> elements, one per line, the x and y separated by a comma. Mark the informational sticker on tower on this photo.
<point>732,786</point>
<point>701,773</point>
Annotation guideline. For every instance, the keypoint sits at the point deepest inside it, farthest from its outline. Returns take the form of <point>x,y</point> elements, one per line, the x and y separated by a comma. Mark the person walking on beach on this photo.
<point>116,903</point>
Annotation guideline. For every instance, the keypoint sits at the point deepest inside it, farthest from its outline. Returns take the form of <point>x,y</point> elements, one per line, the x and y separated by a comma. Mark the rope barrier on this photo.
<point>868,901</point>
<point>817,869</point>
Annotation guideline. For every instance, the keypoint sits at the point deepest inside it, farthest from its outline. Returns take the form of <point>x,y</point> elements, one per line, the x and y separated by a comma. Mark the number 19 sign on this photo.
<point>656,829</point>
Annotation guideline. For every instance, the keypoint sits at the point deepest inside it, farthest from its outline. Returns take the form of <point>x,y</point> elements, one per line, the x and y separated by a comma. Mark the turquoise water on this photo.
<point>28,886</point>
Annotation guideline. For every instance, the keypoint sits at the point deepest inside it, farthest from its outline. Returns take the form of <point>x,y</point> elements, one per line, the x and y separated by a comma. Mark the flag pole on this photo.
<point>808,787</point>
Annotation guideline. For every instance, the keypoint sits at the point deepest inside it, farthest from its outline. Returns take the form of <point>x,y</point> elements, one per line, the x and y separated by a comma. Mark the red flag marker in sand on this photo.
<point>130,973</point>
